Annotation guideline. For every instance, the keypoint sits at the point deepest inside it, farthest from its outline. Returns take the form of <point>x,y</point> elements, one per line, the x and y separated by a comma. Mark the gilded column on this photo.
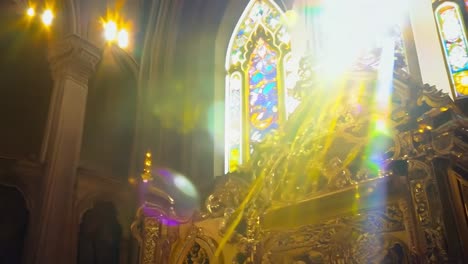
<point>72,62</point>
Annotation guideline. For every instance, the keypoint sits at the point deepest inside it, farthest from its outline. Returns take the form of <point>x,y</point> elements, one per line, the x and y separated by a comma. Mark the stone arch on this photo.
<point>99,235</point>
<point>123,202</point>
<point>25,189</point>
<point>396,251</point>
<point>89,201</point>
<point>15,220</point>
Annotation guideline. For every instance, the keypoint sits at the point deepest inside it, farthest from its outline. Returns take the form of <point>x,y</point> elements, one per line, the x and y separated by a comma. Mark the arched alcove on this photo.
<point>25,80</point>
<point>14,219</point>
<point>100,235</point>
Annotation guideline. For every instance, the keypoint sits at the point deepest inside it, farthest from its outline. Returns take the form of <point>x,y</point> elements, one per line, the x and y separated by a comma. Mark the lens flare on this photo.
<point>180,188</point>
<point>185,186</point>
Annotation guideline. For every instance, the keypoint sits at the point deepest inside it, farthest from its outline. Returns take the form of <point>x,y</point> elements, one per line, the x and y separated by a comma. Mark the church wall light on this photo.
<point>47,17</point>
<point>31,12</point>
<point>115,32</point>
<point>110,31</point>
<point>122,38</point>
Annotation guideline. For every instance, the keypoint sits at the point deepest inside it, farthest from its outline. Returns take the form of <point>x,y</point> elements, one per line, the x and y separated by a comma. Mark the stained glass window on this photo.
<point>454,43</point>
<point>263,91</point>
<point>257,101</point>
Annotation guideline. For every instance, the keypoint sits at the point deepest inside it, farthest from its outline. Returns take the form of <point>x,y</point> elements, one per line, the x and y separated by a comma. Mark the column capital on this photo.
<point>75,57</point>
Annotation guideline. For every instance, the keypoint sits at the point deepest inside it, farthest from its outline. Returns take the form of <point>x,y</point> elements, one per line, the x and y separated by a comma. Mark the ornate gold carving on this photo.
<point>433,97</point>
<point>360,238</point>
<point>146,175</point>
<point>151,235</point>
<point>433,238</point>
<point>227,196</point>
<point>420,199</point>
<point>154,234</point>
<point>410,227</point>
<point>317,156</point>
<point>313,157</point>
<point>197,255</point>
<point>196,248</point>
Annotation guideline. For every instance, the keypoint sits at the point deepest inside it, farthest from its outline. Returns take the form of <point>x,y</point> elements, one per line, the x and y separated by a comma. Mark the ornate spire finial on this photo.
<point>146,175</point>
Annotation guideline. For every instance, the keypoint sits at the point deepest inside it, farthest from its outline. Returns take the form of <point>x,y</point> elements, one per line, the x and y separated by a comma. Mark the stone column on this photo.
<point>72,62</point>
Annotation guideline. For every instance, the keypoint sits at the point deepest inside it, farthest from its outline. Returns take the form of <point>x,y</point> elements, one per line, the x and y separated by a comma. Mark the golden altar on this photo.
<point>309,195</point>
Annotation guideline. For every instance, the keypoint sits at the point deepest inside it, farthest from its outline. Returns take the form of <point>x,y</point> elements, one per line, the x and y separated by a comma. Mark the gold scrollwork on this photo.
<point>361,238</point>
<point>151,235</point>
<point>196,248</point>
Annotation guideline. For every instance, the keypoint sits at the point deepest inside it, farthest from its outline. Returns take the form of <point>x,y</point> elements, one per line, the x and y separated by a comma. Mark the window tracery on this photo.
<point>257,80</point>
<point>454,43</point>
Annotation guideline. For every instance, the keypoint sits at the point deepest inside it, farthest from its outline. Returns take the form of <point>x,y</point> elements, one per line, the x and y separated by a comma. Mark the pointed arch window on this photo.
<point>453,38</point>
<point>258,77</point>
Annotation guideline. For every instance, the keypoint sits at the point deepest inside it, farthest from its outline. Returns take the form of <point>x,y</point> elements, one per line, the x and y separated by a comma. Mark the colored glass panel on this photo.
<point>253,91</point>
<point>259,12</point>
<point>234,121</point>
<point>454,43</point>
<point>263,91</point>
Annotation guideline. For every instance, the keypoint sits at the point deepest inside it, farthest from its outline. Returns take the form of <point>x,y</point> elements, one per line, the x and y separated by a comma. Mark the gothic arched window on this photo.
<point>257,80</point>
<point>452,34</point>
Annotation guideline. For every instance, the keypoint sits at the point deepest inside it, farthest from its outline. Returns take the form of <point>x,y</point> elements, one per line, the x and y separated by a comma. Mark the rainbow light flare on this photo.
<point>382,110</point>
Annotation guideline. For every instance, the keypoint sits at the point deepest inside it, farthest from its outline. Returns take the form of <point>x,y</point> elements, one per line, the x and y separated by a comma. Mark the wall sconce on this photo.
<point>113,34</point>
<point>47,16</point>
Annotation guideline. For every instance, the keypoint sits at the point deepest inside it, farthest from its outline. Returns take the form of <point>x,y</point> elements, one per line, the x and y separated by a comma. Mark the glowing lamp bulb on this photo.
<point>110,31</point>
<point>30,12</point>
<point>47,17</point>
<point>123,38</point>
